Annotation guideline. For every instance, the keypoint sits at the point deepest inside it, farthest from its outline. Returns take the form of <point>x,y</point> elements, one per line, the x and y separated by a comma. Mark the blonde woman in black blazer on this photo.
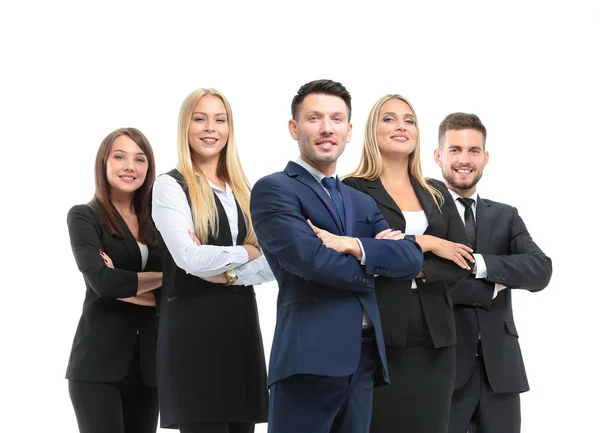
<point>112,367</point>
<point>416,316</point>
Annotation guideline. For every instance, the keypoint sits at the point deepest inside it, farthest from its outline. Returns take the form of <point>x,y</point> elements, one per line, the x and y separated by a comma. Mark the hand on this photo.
<point>217,279</point>
<point>341,244</point>
<point>393,235</point>
<point>458,253</point>
<point>194,237</point>
<point>253,252</point>
<point>501,287</point>
<point>107,261</point>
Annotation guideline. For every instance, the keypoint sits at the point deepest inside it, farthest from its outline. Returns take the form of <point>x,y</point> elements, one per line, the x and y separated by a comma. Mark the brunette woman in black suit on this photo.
<point>211,364</point>
<point>416,316</point>
<point>112,367</point>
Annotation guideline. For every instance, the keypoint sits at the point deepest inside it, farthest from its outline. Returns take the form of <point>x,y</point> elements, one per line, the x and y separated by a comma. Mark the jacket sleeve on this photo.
<point>473,292</point>
<point>526,267</point>
<point>282,230</point>
<point>85,242</point>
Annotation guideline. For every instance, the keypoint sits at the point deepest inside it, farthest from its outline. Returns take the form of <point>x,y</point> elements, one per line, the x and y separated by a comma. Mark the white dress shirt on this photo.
<point>173,218</point>
<point>481,266</point>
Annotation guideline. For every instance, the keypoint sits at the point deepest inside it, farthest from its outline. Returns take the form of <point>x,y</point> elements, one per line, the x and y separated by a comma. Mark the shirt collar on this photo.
<point>313,171</point>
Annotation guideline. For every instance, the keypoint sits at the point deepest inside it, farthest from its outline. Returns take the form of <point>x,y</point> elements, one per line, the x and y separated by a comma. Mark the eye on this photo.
<point>313,118</point>
<point>199,119</point>
<point>221,120</point>
<point>118,156</point>
<point>388,119</point>
<point>337,119</point>
<point>141,160</point>
<point>410,121</point>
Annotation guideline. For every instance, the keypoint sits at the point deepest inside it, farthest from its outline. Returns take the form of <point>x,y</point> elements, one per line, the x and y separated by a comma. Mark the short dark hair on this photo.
<point>323,87</point>
<point>458,121</point>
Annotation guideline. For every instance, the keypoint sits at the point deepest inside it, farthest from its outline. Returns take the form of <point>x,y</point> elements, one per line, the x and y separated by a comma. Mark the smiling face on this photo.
<point>126,166</point>
<point>396,128</point>
<point>322,130</point>
<point>462,158</point>
<point>208,131</point>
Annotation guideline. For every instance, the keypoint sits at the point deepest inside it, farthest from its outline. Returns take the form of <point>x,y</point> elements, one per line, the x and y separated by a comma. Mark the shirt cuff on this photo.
<point>495,291</point>
<point>481,267</point>
<point>363,256</point>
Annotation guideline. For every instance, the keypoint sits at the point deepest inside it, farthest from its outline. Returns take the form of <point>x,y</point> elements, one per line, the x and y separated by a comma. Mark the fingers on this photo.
<point>390,234</point>
<point>460,261</point>
<point>382,233</point>
<point>194,237</point>
<point>313,227</point>
<point>464,251</point>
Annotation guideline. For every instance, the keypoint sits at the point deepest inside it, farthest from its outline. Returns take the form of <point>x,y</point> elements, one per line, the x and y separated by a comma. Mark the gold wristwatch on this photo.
<point>231,276</point>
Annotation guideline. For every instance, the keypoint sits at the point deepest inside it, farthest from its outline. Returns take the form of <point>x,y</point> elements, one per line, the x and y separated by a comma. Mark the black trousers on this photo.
<point>128,406</point>
<point>477,408</point>
<point>422,380</point>
<point>219,427</point>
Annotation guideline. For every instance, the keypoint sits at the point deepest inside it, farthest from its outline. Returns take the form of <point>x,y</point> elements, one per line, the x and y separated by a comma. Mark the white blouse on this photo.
<point>173,218</point>
<point>416,224</point>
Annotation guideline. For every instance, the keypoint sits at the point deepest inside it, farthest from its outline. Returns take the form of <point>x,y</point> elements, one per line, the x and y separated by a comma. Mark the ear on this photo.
<point>437,156</point>
<point>486,157</point>
<point>349,133</point>
<point>293,127</point>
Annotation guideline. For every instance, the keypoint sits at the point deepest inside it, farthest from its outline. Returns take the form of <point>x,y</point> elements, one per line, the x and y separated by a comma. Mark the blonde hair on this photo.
<point>229,168</point>
<point>371,164</point>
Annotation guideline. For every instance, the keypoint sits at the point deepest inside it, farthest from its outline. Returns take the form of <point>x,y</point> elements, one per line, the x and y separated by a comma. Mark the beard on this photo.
<point>449,176</point>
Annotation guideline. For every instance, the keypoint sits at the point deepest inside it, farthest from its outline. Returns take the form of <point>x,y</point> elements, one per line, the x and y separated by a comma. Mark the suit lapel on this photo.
<point>348,207</point>
<point>484,220</point>
<point>300,174</point>
<point>376,190</point>
<point>429,207</point>
<point>129,242</point>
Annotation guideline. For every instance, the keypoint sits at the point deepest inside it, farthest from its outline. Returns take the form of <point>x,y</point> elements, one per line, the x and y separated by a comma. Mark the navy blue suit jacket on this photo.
<point>322,293</point>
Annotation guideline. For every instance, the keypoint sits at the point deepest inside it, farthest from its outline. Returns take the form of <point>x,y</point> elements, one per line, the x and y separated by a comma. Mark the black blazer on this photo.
<point>394,295</point>
<point>104,343</point>
<point>512,259</point>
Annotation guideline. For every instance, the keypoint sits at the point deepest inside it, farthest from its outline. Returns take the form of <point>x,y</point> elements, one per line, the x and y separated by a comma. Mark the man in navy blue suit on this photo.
<point>325,243</point>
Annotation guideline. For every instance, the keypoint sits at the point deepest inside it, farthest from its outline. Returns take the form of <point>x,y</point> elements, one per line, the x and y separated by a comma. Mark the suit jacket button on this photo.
<point>474,303</point>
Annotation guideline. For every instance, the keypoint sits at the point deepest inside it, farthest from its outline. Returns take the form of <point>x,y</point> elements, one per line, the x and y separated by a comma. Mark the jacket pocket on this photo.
<point>511,328</point>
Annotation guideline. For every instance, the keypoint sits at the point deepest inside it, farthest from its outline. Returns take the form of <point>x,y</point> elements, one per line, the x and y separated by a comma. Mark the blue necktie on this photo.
<point>331,185</point>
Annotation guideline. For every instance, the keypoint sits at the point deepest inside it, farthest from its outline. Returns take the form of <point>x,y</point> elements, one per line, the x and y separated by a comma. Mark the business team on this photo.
<point>394,307</point>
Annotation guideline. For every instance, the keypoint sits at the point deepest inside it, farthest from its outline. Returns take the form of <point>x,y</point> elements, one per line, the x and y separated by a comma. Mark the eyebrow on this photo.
<point>217,114</point>
<point>336,113</point>
<point>391,113</point>
<point>121,150</point>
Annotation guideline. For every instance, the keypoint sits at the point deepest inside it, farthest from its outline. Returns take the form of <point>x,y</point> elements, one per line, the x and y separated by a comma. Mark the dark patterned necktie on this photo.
<point>470,220</point>
<point>331,185</point>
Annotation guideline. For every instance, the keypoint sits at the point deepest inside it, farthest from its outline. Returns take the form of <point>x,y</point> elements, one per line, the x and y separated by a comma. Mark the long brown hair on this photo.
<point>229,168</point>
<point>101,204</point>
<point>371,164</point>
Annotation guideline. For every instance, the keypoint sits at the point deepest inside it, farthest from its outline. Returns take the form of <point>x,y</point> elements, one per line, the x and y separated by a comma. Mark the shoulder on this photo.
<point>274,179</point>
<point>82,214</point>
<point>498,207</point>
<point>357,183</point>
<point>437,184</point>
<point>81,210</point>
<point>172,180</point>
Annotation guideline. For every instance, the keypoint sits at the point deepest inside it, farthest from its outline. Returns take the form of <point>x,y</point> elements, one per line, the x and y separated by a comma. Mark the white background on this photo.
<point>73,72</point>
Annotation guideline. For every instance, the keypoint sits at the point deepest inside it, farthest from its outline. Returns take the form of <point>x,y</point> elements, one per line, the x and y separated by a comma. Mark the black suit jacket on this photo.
<point>512,259</point>
<point>394,295</point>
<point>104,343</point>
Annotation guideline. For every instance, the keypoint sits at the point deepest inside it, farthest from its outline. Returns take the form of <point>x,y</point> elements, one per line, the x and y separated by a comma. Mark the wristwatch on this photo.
<point>231,276</point>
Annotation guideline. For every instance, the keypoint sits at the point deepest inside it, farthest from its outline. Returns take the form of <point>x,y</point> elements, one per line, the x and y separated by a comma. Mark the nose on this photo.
<point>129,165</point>
<point>326,126</point>
<point>209,125</point>
<point>400,126</point>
